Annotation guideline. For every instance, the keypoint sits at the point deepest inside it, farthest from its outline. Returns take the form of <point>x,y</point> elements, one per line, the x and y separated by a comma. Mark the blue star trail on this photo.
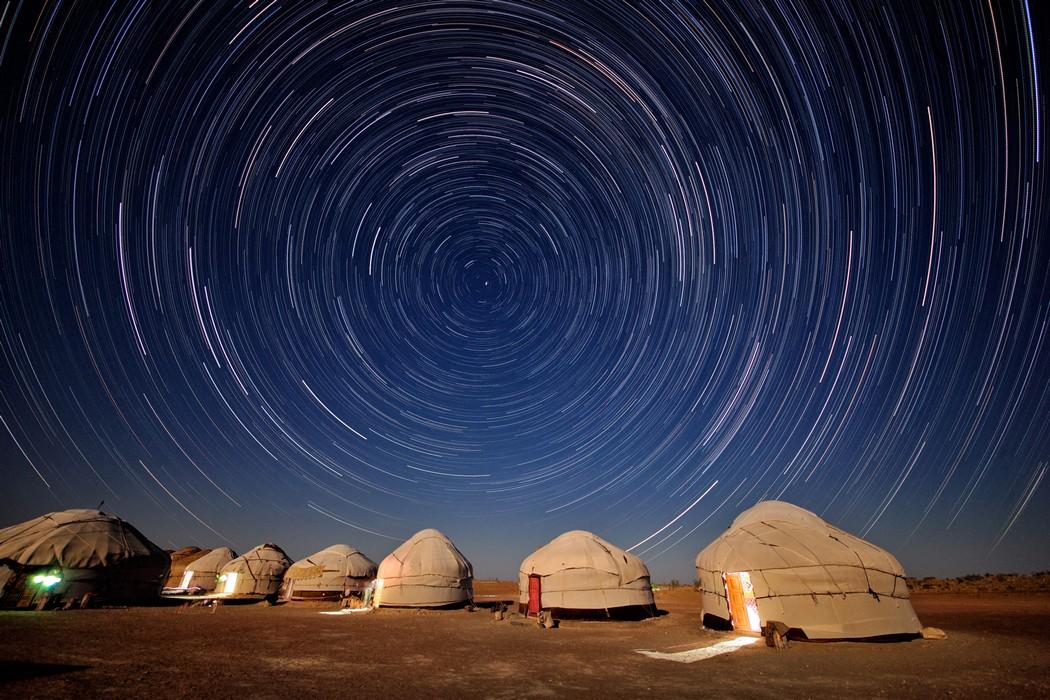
<point>314,272</point>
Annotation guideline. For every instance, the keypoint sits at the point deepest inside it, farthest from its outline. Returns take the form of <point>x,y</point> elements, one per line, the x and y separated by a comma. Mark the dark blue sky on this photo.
<point>334,272</point>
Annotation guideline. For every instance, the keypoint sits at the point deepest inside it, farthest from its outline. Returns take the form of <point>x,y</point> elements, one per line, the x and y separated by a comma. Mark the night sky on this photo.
<point>312,272</point>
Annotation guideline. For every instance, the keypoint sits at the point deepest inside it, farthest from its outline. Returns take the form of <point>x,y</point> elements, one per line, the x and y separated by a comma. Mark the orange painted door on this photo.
<point>743,609</point>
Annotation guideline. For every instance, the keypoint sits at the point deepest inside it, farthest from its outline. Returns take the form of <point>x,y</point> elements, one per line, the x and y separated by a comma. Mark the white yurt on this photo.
<point>781,563</point>
<point>332,573</point>
<point>426,571</point>
<point>579,571</point>
<point>254,575</point>
<point>200,575</point>
<point>65,555</point>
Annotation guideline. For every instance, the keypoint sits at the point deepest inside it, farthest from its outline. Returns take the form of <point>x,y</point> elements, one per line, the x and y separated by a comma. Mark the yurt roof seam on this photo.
<point>808,551</point>
<point>820,566</point>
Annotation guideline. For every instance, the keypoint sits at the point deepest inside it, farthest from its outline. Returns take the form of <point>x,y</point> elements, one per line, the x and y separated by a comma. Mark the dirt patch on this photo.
<point>996,646</point>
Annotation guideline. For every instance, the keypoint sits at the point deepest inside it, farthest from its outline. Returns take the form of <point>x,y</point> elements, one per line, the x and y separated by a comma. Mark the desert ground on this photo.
<point>997,646</point>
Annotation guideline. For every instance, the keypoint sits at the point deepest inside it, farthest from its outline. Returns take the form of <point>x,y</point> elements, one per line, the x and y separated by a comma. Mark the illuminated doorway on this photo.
<point>743,608</point>
<point>230,584</point>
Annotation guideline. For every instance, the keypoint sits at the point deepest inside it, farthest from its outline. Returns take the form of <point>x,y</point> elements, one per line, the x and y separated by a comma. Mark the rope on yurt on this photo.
<point>863,567</point>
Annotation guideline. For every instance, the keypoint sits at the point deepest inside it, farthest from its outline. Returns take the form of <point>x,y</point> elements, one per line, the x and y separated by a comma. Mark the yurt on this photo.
<point>579,571</point>
<point>254,575</point>
<point>180,559</point>
<point>778,563</point>
<point>331,574</point>
<point>73,556</point>
<point>201,575</point>
<point>426,571</point>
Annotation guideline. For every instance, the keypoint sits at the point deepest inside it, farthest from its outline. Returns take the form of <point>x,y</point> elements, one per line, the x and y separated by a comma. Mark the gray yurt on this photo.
<point>254,575</point>
<point>201,575</point>
<point>331,574</point>
<point>78,556</point>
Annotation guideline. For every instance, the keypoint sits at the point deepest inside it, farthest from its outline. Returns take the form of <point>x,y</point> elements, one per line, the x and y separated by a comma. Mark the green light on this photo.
<point>46,580</point>
<point>223,577</point>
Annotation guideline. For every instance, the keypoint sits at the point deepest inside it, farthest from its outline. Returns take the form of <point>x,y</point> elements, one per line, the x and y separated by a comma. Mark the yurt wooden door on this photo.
<point>743,608</point>
<point>534,595</point>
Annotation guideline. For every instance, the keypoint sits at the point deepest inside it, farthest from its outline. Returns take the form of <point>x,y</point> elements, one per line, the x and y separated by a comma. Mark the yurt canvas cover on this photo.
<point>255,574</point>
<point>180,559</point>
<point>426,571</point>
<point>580,571</point>
<point>202,574</point>
<point>330,573</point>
<point>779,562</point>
<point>88,551</point>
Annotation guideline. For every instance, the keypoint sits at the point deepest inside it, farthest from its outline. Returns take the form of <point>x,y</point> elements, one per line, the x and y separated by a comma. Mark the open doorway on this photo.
<point>743,608</point>
<point>230,584</point>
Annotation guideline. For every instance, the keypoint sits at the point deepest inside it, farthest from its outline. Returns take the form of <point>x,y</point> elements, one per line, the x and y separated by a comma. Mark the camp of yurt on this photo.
<point>580,573</point>
<point>77,557</point>
<point>425,571</point>
<point>781,570</point>
<point>201,574</point>
<point>254,575</point>
<point>333,573</point>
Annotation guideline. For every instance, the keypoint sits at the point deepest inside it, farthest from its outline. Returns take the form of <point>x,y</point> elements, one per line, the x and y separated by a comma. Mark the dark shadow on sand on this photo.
<point>11,671</point>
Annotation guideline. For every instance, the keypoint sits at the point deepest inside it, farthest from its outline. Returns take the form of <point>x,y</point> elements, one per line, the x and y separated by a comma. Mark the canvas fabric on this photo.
<point>581,571</point>
<point>808,574</point>
<point>75,539</point>
<point>425,571</point>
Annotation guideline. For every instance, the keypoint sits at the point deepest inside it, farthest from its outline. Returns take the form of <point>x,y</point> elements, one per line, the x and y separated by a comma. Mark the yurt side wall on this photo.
<point>321,582</point>
<point>713,593</point>
<point>593,591</point>
<point>425,591</point>
<point>257,580</point>
<point>838,617</point>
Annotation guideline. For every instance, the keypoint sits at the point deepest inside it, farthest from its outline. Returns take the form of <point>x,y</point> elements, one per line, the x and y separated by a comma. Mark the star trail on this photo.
<point>309,272</point>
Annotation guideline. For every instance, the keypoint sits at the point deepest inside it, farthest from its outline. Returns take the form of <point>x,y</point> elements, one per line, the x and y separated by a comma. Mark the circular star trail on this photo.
<point>625,266</point>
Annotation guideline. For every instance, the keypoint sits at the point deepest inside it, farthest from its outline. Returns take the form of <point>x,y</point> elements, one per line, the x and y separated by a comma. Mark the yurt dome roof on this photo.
<point>75,539</point>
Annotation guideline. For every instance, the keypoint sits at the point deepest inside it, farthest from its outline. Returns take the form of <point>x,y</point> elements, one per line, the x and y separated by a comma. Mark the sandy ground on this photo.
<point>997,646</point>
